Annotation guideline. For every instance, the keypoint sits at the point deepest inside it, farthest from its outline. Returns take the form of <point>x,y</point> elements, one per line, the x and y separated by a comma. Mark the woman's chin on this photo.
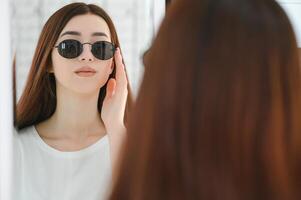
<point>86,91</point>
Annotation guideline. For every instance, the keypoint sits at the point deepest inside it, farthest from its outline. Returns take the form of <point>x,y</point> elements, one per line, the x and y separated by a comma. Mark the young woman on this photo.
<point>71,114</point>
<point>219,110</point>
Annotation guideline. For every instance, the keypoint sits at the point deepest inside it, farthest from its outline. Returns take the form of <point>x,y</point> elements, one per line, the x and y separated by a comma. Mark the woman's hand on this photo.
<point>113,107</point>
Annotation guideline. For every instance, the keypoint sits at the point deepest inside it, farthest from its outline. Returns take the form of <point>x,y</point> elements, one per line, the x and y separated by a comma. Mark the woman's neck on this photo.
<point>76,116</point>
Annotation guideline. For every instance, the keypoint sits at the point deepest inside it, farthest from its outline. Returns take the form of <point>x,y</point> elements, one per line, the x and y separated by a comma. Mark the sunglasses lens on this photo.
<point>70,48</point>
<point>103,50</point>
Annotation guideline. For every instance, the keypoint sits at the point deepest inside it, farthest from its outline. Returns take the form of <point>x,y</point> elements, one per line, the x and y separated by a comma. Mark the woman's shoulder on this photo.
<point>25,130</point>
<point>22,139</point>
<point>23,133</point>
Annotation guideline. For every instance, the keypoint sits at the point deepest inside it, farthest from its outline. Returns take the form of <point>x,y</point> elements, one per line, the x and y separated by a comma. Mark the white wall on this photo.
<point>5,103</point>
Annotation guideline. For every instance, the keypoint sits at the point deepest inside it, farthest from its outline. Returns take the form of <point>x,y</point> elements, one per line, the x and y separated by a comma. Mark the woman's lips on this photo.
<point>85,72</point>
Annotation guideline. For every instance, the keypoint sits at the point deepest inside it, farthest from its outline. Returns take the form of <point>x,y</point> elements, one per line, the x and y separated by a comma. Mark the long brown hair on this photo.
<point>38,101</point>
<point>219,109</point>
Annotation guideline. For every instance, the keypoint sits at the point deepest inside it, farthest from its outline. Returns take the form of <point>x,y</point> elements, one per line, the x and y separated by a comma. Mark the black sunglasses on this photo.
<point>102,50</point>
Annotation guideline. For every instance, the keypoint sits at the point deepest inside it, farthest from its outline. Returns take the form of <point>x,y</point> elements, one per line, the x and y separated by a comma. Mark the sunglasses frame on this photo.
<point>82,47</point>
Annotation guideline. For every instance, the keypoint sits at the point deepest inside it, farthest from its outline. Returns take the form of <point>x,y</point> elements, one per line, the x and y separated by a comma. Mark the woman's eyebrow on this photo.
<point>70,33</point>
<point>79,34</point>
<point>100,34</point>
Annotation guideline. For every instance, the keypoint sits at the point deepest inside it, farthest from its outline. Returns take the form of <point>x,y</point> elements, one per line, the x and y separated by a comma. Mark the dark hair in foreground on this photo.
<point>38,100</point>
<point>219,110</point>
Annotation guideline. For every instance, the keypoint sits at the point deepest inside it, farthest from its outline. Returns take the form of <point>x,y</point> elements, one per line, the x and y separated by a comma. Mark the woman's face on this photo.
<point>75,74</point>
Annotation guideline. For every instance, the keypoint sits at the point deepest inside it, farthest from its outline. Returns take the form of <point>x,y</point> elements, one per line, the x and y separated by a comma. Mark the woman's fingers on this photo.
<point>121,78</point>
<point>111,88</point>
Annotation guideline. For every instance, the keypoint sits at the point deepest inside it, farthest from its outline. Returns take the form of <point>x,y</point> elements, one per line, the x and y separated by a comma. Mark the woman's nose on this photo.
<point>86,55</point>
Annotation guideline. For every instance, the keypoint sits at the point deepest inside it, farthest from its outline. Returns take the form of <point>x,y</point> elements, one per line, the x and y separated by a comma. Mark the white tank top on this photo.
<point>44,173</point>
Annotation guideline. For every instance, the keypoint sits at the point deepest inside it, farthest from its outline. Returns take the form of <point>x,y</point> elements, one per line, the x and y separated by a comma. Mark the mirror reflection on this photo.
<point>74,92</point>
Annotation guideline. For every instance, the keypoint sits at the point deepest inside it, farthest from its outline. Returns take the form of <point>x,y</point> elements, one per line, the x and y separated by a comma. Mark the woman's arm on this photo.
<point>116,141</point>
<point>113,110</point>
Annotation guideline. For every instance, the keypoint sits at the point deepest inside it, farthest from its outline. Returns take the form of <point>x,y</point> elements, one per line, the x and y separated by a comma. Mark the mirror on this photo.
<point>64,168</point>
